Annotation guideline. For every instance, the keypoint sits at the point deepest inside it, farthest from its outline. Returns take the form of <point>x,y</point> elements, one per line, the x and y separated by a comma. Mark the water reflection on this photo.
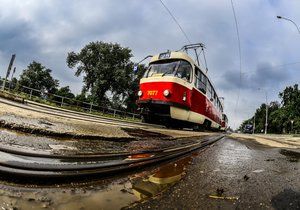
<point>163,178</point>
<point>95,194</point>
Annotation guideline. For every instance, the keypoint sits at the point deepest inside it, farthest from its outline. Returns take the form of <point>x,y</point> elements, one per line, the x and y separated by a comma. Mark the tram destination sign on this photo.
<point>164,55</point>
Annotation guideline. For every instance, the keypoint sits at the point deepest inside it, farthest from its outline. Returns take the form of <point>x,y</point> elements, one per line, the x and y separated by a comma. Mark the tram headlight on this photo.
<point>140,93</point>
<point>166,93</point>
<point>184,96</point>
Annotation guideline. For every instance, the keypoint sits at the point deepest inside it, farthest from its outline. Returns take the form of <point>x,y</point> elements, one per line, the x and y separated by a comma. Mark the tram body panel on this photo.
<point>184,102</point>
<point>153,90</point>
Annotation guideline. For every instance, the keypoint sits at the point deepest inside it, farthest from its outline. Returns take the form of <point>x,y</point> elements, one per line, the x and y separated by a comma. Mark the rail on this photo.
<point>24,164</point>
<point>66,102</point>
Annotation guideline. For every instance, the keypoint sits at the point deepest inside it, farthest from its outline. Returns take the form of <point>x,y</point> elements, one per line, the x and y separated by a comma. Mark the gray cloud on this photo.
<point>47,30</point>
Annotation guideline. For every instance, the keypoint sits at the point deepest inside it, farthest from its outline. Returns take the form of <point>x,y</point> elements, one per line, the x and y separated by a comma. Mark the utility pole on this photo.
<point>266,124</point>
<point>9,69</point>
<point>267,107</point>
<point>253,124</point>
<point>12,75</point>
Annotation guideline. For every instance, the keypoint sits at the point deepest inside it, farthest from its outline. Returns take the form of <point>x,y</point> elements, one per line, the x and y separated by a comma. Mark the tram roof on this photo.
<point>179,55</point>
<point>173,55</point>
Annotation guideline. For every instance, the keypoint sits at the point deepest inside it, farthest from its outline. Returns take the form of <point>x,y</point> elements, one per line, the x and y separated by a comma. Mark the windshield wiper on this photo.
<point>167,72</point>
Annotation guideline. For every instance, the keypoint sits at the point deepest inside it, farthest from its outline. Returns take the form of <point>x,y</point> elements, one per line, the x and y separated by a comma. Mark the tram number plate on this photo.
<point>152,92</point>
<point>164,55</point>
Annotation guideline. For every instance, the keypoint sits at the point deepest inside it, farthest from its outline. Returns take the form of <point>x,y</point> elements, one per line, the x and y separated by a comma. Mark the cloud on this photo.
<point>47,30</point>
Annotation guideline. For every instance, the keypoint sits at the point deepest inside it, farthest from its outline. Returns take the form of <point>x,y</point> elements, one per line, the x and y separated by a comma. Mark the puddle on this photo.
<point>287,199</point>
<point>291,155</point>
<point>165,177</point>
<point>139,133</point>
<point>258,171</point>
<point>101,194</point>
<point>61,147</point>
<point>47,145</point>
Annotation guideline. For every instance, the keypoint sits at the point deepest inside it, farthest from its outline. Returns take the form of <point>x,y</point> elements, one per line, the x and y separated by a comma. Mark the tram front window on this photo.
<point>162,69</point>
<point>181,69</point>
<point>184,71</point>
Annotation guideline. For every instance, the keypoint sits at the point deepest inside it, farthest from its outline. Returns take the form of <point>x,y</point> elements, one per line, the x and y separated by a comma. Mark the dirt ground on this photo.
<point>280,141</point>
<point>46,123</point>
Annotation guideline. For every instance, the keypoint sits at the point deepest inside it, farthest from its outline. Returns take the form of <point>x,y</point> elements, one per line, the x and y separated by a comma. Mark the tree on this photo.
<point>132,97</point>
<point>106,67</point>
<point>291,105</point>
<point>65,92</point>
<point>281,119</point>
<point>38,77</point>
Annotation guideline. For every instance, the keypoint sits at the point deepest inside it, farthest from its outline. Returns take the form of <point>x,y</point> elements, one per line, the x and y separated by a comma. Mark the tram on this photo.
<point>176,92</point>
<point>224,122</point>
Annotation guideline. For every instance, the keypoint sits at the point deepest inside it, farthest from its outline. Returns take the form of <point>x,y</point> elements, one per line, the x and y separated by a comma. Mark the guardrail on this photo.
<point>43,96</point>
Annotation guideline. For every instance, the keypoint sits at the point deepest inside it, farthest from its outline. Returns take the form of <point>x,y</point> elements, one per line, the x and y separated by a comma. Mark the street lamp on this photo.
<point>284,18</point>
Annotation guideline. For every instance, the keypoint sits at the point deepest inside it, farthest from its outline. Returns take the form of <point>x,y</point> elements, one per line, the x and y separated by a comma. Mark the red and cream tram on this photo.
<point>224,122</point>
<point>176,92</point>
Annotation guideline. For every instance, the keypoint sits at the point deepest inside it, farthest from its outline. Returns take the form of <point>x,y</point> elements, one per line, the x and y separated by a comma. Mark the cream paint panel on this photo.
<point>196,118</point>
<point>174,55</point>
<point>167,79</point>
<point>215,125</point>
<point>182,114</point>
<point>179,114</point>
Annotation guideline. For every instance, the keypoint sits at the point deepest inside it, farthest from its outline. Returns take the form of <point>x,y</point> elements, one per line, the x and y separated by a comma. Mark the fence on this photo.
<point>42,96</point>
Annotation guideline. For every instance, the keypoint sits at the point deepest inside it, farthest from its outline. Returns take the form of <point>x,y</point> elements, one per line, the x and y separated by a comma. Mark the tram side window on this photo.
<point>200,81</point>
<point>209,91</point>
<point>214,97</point>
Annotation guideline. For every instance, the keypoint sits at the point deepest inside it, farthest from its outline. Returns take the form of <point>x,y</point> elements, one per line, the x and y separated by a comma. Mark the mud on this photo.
<point>45,127</point>
<point>107,193</point>
<point>24,142</point>
<point>46,145</point>
<point>292,156</point>
<point>140,133</point>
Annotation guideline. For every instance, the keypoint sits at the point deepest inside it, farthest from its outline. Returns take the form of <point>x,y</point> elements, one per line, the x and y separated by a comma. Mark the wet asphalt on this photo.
<point>235,174</point>
<point>230,174</point>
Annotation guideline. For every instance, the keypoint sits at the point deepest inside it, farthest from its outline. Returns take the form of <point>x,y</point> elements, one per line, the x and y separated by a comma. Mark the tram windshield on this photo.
<point>179,68</point>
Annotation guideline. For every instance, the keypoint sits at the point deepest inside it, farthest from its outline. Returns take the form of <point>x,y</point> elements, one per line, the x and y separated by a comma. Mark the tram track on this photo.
<point>59,112</point>
<point>26,164</point>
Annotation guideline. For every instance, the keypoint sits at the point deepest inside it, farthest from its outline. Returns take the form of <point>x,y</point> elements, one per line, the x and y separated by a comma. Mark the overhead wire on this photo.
<point>175,20</point>
<point>240,54</point>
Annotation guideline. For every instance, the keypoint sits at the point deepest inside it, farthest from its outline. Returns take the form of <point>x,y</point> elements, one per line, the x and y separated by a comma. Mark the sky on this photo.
<point>46,30</point>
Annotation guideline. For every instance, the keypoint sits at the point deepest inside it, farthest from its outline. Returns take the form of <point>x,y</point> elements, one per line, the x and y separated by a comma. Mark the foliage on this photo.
<point>282,118</point>
<point>107,70</point>
<point>38,77</point>
<point>131,92</point>
<point>65,92</point>
<point>13,84</point>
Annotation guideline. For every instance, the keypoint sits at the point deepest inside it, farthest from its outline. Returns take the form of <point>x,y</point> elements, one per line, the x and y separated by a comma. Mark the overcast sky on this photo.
<point>46,30</point>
